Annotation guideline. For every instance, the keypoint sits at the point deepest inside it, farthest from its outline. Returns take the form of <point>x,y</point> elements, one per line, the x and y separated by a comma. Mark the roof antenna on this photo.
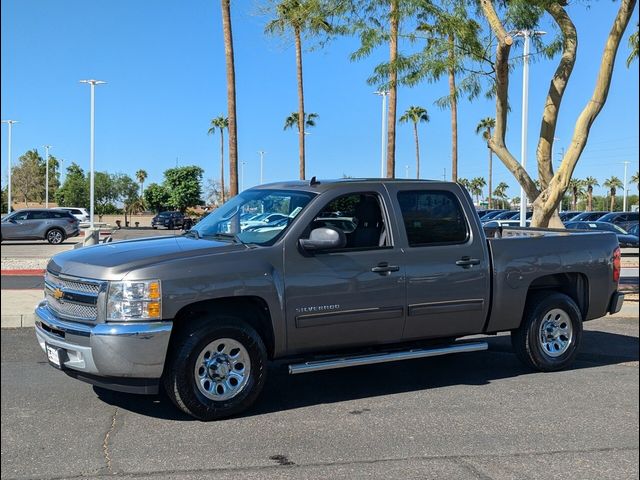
<point>313,181</point>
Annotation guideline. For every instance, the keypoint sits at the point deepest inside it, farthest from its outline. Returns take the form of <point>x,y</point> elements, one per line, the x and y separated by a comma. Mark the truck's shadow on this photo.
<point>284,392</point>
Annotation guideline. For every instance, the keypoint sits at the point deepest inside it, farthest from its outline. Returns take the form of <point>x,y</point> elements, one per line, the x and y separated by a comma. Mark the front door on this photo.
<point>447,272</point>
<point>349,296</point>
<point>17,226</point>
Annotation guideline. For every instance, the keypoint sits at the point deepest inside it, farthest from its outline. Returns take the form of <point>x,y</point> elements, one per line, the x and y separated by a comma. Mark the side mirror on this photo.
<point>324,239</point>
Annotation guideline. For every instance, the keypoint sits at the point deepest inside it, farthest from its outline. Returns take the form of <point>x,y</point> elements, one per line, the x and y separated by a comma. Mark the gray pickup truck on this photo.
<point>349,272</point>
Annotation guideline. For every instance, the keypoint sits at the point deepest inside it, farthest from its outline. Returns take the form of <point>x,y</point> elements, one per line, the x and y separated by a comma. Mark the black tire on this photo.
<point>154,227</point>
<point>529,342</point>
<point>179,378</point>
<point>170,226</point>
<point>55,236</point>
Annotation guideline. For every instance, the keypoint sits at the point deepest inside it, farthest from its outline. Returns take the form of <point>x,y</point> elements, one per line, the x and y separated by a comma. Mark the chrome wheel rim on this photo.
<point>222,369</point>
<point>54,236</point>
<point>556,333</point>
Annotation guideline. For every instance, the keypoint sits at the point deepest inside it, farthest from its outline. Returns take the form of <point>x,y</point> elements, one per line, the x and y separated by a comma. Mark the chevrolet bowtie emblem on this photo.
<point>58,294</point>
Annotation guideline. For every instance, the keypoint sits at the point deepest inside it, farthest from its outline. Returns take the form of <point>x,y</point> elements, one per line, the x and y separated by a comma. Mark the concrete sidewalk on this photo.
<point>18,306</point>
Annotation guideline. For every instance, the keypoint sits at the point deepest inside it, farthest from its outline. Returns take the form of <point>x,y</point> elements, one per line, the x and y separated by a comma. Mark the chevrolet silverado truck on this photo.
<point>353,272</point>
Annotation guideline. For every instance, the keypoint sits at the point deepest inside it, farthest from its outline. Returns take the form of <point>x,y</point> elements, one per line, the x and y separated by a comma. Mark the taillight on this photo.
<point>616,265</point>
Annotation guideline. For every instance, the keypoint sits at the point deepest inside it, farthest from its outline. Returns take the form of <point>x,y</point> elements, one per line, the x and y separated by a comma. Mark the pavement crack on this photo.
<point>105,443</point>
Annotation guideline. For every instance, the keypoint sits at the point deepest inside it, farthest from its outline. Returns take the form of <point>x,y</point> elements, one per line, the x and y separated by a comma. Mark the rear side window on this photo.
<point>432,218</point>
<point>39,215</point>
<point>61,215</point>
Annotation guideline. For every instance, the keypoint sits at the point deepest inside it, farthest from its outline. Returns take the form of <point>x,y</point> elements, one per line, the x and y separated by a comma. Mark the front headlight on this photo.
<point>134,300</point>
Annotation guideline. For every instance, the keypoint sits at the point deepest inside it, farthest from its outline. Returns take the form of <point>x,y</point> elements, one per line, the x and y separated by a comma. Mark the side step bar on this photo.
<point>356,360</point>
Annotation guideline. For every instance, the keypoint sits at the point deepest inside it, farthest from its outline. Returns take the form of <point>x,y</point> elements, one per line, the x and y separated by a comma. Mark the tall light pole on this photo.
<point>261,165</point>
<point>624,195</point>
<point>526,34</point>
<point>383,94</point>
<point>242,164</point>
<point>46,176</point>
<point>406,171</point>
<point>93,84</point>
<point>10,125</point>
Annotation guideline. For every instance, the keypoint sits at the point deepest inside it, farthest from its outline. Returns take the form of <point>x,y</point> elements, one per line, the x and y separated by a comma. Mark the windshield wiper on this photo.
<point>229,236</point>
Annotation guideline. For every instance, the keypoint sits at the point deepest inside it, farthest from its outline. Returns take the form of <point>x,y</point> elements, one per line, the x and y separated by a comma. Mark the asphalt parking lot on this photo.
<point>477,415</point>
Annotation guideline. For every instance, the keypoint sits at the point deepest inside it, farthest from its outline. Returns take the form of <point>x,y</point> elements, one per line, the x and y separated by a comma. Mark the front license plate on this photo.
<point>53,355</point>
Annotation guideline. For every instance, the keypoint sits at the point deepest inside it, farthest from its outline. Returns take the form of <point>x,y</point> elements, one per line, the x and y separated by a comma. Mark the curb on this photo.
<point>18,320</point>
<point>23,272</point>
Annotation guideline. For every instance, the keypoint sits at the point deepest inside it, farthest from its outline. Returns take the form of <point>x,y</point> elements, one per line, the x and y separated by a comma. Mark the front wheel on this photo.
<point>217,369</point>
<point>550,333</point>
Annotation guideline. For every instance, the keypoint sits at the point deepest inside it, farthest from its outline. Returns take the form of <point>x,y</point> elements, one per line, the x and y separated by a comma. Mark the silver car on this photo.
<point>53,226</point>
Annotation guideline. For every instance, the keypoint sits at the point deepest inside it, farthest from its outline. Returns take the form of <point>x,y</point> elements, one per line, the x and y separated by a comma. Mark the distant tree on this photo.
<point>213,192</point>
<point>3,202</point>
<point>485,127</point>
<point>576,186</point>
<point>465,183</point>
<point>27,177</point>
<point>156,197</point>
<point>299,17</point>
<point>477,184</point>
<point>220,123</point>
<point>633,46</point>
<point>183,185</point>
<point>105,192</point>
<point>231,95</point>
<point>74,192</point>
<point>141,176</point>
<point>127,192</point>
<point>635,178</point>
<point>501,193</point>
<point>415,115</point>
<point>590,182</point>
<point>292,121</point>
<point>612,183</point>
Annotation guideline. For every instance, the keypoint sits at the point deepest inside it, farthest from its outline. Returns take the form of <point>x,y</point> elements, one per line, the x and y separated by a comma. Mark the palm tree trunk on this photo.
<point>415,134</point>
<point>222,164</point>
<point>300,102</point>
<point>393,90</point>
<point>490,176</point>
<point>454,112</point>
<point>231,97</point>
<point>590,199</point>
<point>613,200</point>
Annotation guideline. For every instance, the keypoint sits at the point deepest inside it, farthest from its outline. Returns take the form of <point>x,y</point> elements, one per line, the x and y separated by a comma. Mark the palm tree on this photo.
<point>477,184</point>
<point>141,176</point>
<point>576,185</point>
<point>635,179</point>
<point>231,97</point>
<point>612,184</point>
<point>633,46</point>
<point>220,123</point>
<point>485,126</point>
<point>465,183</point>
<point>501,192</point>
<point>299,16</point>
<point>293,120</point>
<point>415,115</point>
<point>590,182</point>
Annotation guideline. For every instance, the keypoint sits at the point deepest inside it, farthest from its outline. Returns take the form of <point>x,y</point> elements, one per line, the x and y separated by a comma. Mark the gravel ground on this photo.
<point>9,263</point>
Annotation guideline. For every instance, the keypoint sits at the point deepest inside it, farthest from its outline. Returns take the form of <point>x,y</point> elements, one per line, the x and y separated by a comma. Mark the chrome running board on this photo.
<point>356,360</point>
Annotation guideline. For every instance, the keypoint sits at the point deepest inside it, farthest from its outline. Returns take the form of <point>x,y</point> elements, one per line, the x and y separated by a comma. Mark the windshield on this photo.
<point>254,216</point>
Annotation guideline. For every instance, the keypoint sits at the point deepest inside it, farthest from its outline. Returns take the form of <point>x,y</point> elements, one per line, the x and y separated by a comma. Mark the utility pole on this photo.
<point>383,157</point>
<point>46,176</point>
<point>242,164</point>
<point>10,125</point>
<point>261,165</point>
<point>624,195</point>
<point>406,171</point>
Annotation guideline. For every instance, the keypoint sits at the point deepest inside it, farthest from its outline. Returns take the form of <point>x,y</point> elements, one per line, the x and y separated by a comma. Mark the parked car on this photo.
<point>588,216</point>
<point>621,219</point>
<point>170,220</point>
<point>80,213</point>
<point>633,230</point>
<point>52,225</point>
<point>624,238</point>
<point>202,314</point>
<point>566,216</point>
<point>491,215</point>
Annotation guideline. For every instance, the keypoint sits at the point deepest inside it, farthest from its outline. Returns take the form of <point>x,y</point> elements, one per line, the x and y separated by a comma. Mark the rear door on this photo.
<point>447,264</point>
<point>351,296</point>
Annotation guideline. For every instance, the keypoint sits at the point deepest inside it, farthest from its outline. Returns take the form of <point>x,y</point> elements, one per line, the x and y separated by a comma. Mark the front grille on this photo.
<point>72,299</point>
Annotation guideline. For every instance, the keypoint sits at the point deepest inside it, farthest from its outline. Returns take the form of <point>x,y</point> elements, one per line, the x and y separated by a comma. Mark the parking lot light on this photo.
<point>10,124</point>
<point>46,176</point>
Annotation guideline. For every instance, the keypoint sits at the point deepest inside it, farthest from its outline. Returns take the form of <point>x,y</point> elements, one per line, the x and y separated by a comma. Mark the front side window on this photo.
<point>432,218</point>
<point>359,216</point>
<point>254,216</point>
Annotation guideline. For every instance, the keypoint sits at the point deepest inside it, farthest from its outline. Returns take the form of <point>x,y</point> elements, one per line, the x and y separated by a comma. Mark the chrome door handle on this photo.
<point>467,262</point>
<point>385,269</point>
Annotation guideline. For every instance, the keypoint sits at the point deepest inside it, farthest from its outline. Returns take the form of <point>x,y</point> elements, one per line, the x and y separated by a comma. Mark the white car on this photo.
<point>80,213</point>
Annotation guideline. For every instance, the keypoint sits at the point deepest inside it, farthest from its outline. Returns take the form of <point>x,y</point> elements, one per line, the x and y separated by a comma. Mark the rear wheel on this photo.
<point>55,236</point>
<point>217,369</point>
<point>550,334</point>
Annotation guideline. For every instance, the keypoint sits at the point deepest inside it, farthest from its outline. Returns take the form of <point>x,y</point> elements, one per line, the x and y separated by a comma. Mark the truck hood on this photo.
<point>112,261</point>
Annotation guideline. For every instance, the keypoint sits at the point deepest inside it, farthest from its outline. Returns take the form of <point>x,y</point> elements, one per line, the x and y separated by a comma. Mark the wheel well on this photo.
<point>253,310</point>
<point>574,285</point>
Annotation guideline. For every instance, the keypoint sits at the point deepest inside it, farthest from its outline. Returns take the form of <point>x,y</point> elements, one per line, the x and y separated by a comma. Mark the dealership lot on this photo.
<point>477,415</point>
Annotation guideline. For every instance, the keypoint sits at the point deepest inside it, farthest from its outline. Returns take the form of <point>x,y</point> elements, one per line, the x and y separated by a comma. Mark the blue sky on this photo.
<point>164,64</point>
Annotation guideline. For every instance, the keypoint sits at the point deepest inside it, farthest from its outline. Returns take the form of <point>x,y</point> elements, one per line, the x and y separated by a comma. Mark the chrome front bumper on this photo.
<point>116,350</point>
